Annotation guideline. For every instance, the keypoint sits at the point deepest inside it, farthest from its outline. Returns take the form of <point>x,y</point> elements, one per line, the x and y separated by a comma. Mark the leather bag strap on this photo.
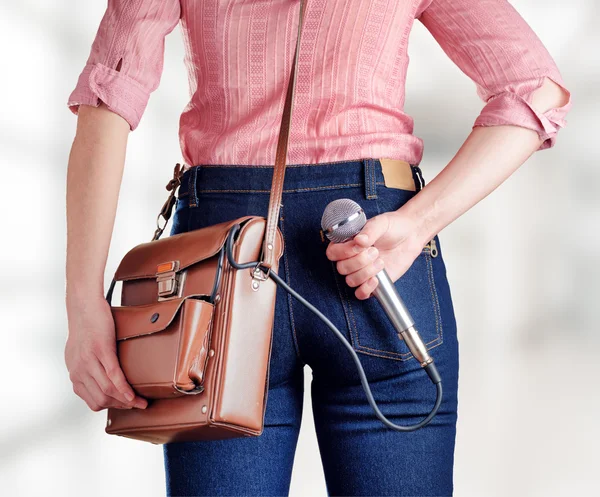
<point>268,249</point>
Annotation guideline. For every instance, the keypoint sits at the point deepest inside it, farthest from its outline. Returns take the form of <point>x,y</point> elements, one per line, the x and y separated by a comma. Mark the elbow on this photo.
<point>542,110</point>
<point>551,102</point>
<point>550,95</point>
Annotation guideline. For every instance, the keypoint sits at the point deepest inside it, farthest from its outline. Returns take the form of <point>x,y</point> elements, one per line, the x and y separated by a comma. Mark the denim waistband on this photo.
<point>236,178</point>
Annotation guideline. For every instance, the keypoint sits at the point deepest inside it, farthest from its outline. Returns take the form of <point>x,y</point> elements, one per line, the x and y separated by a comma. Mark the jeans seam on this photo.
<point>369,178</point>
<point>436,303</point>
<point>193,197</point>
<point>289,190</point>
<point>292,190</point>
<point>373,179</point>
<point>341,293</point>
<point>288,295</point>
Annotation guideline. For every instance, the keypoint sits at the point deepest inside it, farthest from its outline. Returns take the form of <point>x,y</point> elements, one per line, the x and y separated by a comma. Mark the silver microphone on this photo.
<point>342,220</point>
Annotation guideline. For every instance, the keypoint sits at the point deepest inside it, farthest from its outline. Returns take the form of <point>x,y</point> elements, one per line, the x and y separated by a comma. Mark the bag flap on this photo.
<point>137,320</point>
<point>142,260</point>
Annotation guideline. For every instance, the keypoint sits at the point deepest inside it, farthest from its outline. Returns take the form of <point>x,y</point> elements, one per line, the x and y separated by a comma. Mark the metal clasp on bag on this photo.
<point>167,208</point>
<point>259,275</point>
<point>170,280</point>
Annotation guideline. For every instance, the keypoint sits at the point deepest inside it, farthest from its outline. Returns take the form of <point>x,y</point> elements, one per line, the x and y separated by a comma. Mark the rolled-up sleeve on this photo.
<point>493,45</point>
<point>126,59</point>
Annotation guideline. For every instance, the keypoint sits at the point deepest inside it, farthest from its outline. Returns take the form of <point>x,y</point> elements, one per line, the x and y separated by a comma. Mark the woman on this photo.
<point>349,138</point>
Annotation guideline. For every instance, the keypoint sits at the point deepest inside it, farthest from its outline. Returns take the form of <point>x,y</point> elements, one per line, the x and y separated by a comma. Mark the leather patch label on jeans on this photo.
<point>397,174</point>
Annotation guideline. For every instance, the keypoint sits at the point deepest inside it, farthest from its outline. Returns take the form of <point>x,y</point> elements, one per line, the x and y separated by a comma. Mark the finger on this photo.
<point>374,229</point>
<point>114,372</point>
<point>81,391</point>
<point>98,372</point>
<point>361,276</point>
<point>353,264</point>
<point>344,250</point>
<point>365,290</point>
<point>101,397</point>
<point>99,400</point>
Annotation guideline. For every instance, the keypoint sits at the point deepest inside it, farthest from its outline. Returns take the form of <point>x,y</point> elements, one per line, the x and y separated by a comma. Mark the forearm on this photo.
<point>485,160</point>
<point>94,177</point>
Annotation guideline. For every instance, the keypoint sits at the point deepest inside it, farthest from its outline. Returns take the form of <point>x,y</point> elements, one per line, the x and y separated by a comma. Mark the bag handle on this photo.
<point>268,249</point>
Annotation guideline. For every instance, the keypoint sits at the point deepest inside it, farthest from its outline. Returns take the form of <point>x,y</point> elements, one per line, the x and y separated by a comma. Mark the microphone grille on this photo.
<point>342,220</point>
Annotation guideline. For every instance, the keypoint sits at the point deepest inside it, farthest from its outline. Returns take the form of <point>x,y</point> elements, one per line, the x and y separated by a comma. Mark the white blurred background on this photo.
<point>523,266</point>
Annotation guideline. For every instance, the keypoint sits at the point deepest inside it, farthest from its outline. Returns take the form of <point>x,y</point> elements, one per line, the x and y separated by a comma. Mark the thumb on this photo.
<point>374,229</point>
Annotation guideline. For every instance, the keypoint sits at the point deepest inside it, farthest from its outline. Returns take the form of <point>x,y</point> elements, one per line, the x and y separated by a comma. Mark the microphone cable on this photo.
<point>430,368</point>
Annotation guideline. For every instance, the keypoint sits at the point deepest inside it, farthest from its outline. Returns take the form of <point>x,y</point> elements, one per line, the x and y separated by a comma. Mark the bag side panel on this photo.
<point>241,391</point>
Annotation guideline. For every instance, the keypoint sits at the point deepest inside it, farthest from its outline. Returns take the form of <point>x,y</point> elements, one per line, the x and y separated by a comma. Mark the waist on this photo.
<point>244,142</point>
<point>240,178</point>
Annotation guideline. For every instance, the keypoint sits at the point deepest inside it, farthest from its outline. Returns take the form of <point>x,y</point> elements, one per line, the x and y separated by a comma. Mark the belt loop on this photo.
<point>370,178</point>
<point>417,177</point>
<point>192,195</point>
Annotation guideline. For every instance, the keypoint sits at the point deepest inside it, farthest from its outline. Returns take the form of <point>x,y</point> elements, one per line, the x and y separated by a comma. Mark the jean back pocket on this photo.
<point>370,329</point>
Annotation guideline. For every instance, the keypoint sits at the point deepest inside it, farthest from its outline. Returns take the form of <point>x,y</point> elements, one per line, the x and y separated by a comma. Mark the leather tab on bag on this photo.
<point>167,209</point>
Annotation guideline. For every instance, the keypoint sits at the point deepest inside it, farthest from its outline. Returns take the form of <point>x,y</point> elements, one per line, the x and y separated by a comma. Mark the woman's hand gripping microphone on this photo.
<point>355,240</point>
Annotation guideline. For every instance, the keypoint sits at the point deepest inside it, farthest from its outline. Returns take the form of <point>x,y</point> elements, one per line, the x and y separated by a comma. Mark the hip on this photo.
<point>214,192</point>
<point>210,194</point>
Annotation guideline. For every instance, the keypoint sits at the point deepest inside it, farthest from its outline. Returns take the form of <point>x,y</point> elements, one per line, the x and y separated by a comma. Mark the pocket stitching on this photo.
<point>341,293</point>
<point>436,303</point>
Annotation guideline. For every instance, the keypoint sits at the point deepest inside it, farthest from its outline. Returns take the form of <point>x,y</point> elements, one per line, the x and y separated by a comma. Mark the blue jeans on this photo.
<point>360,455</point>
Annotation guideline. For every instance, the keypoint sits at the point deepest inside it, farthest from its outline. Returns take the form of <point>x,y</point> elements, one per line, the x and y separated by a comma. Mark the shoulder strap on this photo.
<point>280,161</point>
<point>267,257</point>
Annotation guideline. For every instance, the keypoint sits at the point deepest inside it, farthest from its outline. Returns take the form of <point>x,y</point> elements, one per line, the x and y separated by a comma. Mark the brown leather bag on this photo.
<point>194,333</point>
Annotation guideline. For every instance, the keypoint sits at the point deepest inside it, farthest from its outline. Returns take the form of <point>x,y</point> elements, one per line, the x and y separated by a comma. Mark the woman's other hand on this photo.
<point>91,358</point>
<point>388,241</point>
<point>94,176</point>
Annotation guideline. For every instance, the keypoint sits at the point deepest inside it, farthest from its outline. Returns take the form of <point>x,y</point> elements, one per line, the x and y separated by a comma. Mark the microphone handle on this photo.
<point>398,314</point>
<point>392,303</point>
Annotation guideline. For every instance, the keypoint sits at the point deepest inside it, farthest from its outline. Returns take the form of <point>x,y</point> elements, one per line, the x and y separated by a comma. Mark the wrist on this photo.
<point>421,220</point>
<point>79,297</point>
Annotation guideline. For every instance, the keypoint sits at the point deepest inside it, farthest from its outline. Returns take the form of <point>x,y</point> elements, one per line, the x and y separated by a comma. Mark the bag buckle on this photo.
<point>170,281</point>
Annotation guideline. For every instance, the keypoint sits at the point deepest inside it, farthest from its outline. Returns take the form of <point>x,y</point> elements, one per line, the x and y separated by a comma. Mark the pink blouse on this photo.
<point>349,96</point>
